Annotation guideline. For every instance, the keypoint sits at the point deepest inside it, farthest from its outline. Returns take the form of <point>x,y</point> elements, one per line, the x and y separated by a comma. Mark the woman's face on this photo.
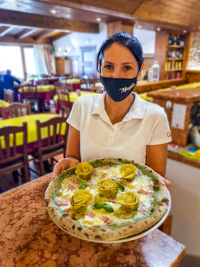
<point>119,62</point>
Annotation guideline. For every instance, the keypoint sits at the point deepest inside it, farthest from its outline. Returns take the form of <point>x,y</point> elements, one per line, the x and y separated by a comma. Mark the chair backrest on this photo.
<point>8,95</point>
<point>30,91</point>
<point>8,148</point>
<point>67,87</point>
<point>15,110</point>
<point>51,134</point>
<point>64,102</point>
<point>98,89</point>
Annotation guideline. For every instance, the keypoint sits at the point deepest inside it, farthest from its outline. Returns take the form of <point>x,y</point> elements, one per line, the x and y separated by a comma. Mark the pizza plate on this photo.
<point>130,238</point>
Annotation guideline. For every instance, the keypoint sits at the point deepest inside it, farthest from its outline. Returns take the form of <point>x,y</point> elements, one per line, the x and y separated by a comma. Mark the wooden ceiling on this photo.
<point>42,21</point>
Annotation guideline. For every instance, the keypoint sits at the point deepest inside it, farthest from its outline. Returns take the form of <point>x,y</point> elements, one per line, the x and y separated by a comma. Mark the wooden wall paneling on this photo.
<point>118,26</point>
<point>186,55</point>
<point>127,28</point>
<point>160,51</point>
<point>113,27</point>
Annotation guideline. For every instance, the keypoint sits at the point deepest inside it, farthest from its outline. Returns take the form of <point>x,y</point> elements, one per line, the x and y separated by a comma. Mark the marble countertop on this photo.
<point>28,237</point>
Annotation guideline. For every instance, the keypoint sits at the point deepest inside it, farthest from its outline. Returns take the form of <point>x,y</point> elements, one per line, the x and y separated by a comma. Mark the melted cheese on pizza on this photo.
<point>142,185</point>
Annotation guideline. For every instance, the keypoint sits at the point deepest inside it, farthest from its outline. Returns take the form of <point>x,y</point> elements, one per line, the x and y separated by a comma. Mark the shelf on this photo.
<point>175,46</point>
<point>173,70</point>
<point>175,58</point>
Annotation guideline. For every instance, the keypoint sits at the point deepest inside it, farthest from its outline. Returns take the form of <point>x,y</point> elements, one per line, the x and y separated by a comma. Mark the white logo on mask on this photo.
<point>125,89</point>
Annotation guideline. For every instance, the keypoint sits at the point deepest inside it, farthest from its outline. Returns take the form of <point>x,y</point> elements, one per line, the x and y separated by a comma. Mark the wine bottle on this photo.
<point>170,40</point>
<point>178,40</point>
<point>175,39</point>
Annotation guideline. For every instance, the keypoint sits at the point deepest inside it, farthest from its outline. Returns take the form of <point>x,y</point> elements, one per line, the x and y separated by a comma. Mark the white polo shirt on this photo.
<point>145,124</point>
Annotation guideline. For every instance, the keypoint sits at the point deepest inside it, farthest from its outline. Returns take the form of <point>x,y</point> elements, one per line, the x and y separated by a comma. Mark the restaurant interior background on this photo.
<point>60,39</point>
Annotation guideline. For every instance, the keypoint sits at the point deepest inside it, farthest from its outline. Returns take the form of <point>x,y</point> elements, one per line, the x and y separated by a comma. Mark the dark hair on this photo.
<point>125,39</point>
<point>8,72</point>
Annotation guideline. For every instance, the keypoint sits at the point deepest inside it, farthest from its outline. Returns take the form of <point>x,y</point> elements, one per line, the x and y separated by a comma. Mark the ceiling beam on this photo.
<point>5,31</point>
<point>42,35</point>
<point>24,33</point>
<point>46,22</point>
<point>93,9</point>
<point>58,36</point>
<point>26,40</point>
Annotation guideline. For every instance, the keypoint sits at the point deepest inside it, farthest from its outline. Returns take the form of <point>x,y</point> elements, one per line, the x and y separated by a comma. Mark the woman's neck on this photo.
<point>116,111</point>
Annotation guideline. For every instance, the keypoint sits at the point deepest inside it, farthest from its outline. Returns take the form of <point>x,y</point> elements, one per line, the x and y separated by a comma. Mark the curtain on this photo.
<point>48,59</point>
<point>44,60</point>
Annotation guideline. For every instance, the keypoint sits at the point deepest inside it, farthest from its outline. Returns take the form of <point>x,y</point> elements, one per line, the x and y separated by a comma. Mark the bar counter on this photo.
<point>28,237</point>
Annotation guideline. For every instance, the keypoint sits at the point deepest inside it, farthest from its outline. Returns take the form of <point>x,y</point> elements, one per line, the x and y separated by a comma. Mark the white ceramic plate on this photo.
<point>130,238</point>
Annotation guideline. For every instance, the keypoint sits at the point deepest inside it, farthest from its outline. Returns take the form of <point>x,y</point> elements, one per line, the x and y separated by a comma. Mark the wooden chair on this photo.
<point>68,87</point>
<point>15,110</point>
<point>30,94</point>
<point>64,102</point>
<point>8,95</point>
<point>54,144</point>
<point>10,159</point>
<point>98,89</point>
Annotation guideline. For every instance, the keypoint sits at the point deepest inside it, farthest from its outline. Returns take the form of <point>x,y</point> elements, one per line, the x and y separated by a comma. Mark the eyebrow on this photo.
<point>122,63</point>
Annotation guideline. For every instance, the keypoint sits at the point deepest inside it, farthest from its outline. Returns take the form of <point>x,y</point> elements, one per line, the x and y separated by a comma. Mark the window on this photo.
<point>10,58</point>
<point>29,62</point>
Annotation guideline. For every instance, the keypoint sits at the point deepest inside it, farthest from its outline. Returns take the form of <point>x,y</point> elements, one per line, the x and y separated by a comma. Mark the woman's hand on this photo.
<point>64,164</point>
<point>167,182</point>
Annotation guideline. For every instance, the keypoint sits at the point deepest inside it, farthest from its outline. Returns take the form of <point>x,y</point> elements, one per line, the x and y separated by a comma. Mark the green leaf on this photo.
<point>83,185</point>
<point>98,205</point>
<point>120,185</point>
<point>108,207</point>
<point>105,206</point>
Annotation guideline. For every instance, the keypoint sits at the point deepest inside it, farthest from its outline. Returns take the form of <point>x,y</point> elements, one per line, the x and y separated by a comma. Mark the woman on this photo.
<point>117,123</point>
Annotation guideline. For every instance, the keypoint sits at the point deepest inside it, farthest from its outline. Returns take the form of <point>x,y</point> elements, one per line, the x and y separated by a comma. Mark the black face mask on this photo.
<point>118,89</point>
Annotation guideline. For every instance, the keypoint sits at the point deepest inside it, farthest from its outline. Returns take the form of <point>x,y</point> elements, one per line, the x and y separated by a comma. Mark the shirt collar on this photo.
<point>137,110</point>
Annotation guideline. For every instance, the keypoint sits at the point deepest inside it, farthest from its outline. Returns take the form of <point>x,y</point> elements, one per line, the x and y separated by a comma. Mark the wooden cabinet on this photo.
<point>171,53</point>
<point>63,65</point>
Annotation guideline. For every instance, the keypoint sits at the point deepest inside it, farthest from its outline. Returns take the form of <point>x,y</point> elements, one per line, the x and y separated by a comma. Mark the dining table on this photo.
<point>75,83</point>
<point>45,92</point>
<point>29,237</point>
<point>73,96</point>
<point>3,103</point>
<point>31,128</point>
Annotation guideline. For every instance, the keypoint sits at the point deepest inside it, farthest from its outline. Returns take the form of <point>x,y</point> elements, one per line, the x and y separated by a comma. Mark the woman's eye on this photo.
<point>127,68</point>
<point>108,67</point>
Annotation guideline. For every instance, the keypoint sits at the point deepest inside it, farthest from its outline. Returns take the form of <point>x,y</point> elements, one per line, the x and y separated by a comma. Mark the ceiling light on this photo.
<point>184,31</point>
<point>158,29</point>
<point>53,11</point>
<point>98,19</point>
<point>139,26</point>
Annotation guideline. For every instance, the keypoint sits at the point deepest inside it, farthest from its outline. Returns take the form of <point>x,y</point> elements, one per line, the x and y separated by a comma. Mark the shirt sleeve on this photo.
<point>161,133</point>
<point>75,116</point>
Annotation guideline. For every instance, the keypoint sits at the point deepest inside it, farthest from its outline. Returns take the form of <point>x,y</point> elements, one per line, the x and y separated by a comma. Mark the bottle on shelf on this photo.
<point>182,42</point>
<point>150,76</point>
<point>170,40</point>
<point>178,40</point>
<point>175,40</point>
<point>156,71</point>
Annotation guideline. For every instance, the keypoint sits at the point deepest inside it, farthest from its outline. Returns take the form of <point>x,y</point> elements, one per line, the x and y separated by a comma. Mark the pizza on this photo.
<point>107,199</point>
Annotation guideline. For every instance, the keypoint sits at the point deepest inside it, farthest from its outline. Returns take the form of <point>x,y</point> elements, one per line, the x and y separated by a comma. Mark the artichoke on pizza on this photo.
<point>81,200</point>
<point>84,170</point>
<point>107,188</point>
<point>128,171</point>
<point>129,201</point>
